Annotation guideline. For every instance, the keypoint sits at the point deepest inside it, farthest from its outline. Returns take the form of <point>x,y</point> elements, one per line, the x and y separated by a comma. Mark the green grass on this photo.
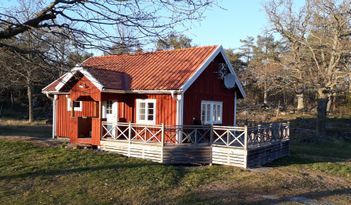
<point>31,174</point>
<point>34,174</point>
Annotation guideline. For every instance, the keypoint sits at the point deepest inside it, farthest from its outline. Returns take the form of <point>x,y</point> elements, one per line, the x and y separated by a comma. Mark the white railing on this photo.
<point>230,136</point>
<point>133,132</point>
<point>268,133</point>
<point>227,136</point>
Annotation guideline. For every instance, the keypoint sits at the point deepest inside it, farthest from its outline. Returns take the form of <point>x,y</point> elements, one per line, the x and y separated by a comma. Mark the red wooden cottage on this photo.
<point>133,101</point>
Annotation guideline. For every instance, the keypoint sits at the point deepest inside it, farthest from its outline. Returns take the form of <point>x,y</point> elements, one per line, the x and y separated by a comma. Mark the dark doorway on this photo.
<point>84,127</point>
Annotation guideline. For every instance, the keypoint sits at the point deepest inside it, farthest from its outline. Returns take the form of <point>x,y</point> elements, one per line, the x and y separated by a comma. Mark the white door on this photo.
<point>110,111</point>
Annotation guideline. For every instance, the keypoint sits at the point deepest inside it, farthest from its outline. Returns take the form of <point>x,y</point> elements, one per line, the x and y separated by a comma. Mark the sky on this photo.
<point>238,19</point>
<point>225,24</point>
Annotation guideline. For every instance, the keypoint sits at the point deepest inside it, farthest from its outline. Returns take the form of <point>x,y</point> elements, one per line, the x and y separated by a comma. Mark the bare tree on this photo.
<point>90,23</point>
<point>318,35</point>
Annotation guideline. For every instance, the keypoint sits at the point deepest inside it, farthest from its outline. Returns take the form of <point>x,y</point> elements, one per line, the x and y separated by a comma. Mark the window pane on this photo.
<point>219,111</point>
<point>208,112</point>
<point>150,117</point>
<point>214,113</point>
<point>142,117</point>
<point>151,111</point>
<point>142,105</point>
<point>203,113</point>
<point>150,105</point>
<point>76,104</point>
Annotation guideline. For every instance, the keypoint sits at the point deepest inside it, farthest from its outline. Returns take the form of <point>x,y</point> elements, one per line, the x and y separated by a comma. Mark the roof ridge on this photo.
<point>154,52</point>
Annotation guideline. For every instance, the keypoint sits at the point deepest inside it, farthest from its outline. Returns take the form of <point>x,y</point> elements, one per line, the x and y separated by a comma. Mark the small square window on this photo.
<point>146,111</point>
<point>77,105</point>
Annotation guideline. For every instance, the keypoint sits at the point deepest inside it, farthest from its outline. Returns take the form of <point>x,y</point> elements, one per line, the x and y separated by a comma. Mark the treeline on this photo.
<point>40,40</point>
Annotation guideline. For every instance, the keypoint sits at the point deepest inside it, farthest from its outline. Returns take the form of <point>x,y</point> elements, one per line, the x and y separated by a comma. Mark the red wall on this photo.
<point>166,106</point>
<point>208,87</point>
<point>66,125</point>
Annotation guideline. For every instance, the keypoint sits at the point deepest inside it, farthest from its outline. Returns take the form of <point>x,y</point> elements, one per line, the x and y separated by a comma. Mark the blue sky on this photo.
<point>227,26</point>
<point>241,18</point>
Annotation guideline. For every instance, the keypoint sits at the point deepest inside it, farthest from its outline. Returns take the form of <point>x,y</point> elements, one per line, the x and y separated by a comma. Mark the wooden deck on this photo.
<point>235,146</point>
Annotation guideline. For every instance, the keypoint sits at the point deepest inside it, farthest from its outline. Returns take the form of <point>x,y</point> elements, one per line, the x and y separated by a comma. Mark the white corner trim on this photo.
<point>70,74</point>
<point>179,114</point>
<point>202,67</point>
<point>205,64</point>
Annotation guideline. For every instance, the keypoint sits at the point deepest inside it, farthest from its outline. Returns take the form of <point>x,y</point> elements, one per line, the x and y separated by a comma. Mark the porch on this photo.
<point>198,144</point>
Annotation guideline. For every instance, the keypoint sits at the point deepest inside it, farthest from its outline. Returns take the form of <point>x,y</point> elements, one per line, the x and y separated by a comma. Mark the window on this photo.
<point>211,112</point>
<point>77,105</point>
<point>146,113</point>
<point>109,107</point>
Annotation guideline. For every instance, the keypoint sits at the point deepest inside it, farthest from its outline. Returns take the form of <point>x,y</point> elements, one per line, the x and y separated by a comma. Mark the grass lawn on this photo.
<point>36,174</point>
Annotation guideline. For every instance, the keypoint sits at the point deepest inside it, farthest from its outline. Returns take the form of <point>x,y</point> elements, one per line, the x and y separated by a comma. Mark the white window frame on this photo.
<point>75,108</point>
<point>109,110</point>
<point>146,121</point>
<point>213,111</point>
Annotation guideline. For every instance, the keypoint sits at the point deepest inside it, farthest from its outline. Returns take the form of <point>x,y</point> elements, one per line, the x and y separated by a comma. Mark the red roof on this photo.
<point>160,70</point>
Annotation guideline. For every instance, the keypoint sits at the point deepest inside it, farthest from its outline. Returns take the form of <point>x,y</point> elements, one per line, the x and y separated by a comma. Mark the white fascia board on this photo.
<point>106,90</point>
<point>70,74</point>
<point>202,67</point>
<point>51,83</point>
<point>238,83</point>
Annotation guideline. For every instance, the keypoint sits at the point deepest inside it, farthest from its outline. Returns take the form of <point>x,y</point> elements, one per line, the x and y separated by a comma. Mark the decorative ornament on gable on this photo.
<point>225,74</point>
<point>223,70</point>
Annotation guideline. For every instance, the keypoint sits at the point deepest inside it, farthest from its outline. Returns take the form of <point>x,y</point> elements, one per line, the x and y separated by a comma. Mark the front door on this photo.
<point>111,115</point>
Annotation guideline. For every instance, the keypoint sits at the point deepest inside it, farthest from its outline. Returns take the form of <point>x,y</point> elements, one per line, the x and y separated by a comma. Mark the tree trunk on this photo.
<point>300,104</point>
<point>265,96</point>
<point>321,113</point>
<point>30,104</point>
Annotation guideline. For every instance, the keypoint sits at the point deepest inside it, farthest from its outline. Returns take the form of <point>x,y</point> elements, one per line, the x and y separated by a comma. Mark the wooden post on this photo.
<point>162,140</point>
<point>162,134</point>
<point>129,132</point>
<point>129,137</point>
<point>245,137</point>
<point>211,134</point>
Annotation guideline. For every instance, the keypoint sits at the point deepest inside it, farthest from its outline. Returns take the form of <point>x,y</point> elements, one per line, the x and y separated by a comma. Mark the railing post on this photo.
<point>162,134</point>
<point>245,137</point>
<point>129,132</point>
<point>211,134</point>
<point>162,140</point>
<point>227,131</point>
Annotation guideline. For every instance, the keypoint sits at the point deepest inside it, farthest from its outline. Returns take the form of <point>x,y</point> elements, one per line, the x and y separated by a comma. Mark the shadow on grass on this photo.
<point>61,172</point>
<point>38,131</point>
<point>305,198</point>
<point>246,196</point>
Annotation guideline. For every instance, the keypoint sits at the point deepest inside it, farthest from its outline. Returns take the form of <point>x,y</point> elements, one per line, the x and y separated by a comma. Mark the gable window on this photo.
<point>146,111</point>
<point>211,112</point>
<point>77,105</point>
<point>109,107</point>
